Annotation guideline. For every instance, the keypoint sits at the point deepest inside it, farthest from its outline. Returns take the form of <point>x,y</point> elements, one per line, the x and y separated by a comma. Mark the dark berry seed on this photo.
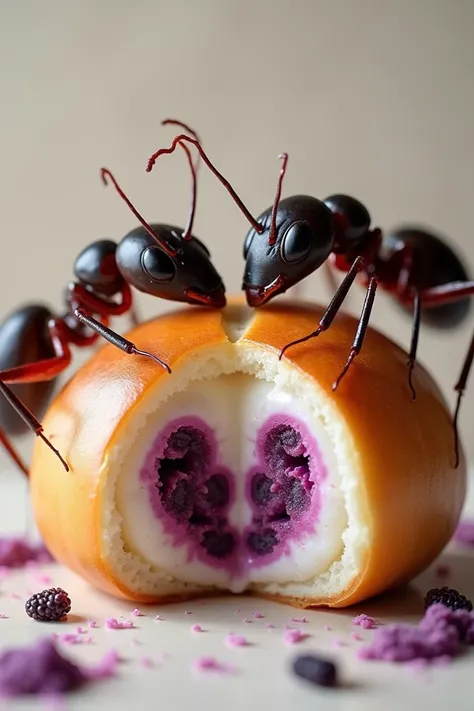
<point>261,489</point>
<point>48,606</point>
<point>218,544</point>
<point>262,543</point>
<point>447,597</point>
<point>217,491</point>
<point>315,670</point>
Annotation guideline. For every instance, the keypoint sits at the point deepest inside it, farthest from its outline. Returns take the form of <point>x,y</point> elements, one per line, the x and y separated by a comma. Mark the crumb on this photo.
<point>3,616</point>
<point>258,615</point>
<point>270,627</point>
<point>147,662</point>
<point>81,630</point>
<point>237,609</point>
<point>294,636</point>
<point>188,612</point>
<point>211,664</point>
<point>356,637</point>
<point>113,624</point>
<point>364,621</point>
<point>41,669</point>
<point>159,618</point>
<point>236,640</point>
<point>197,628</point>
<point>71,638</point>
<point>17,552</point>
<point>327,628</point>
<point>92,623</point>
<point>441,633</point>
<point>137,613</point>
<point>298,619</point>
<point>247,621</point>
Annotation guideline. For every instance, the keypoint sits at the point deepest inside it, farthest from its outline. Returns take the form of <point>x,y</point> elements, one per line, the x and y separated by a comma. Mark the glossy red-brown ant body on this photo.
<point>160,260</point>
<point>289,241</point>
<point>299,234</point>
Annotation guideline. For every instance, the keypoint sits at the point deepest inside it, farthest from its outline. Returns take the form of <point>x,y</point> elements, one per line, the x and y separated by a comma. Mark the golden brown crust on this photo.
<point>405,448</point>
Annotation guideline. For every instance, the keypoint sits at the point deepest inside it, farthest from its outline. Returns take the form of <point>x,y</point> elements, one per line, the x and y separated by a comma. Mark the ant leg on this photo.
<point>39,371</point>
<point>414,341</point>
<point>80,296</point>
<point>13,453</point>
<point>361,328</point>
<point>334,306</point>
<point>32,423</point>
<point>460,388</point>
<point>115,339</point>
<point>444,294</point>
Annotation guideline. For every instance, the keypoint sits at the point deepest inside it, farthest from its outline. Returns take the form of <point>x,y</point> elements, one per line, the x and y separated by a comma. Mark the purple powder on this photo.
<point>291,636</point>
<point>213,665</point>
<point>236,640</point>
<point>364,621</point>
<point>18,553</point>
<point>113,624</point>
<point>465,533</point>
<point>42,669</point>
<point>442,633</point>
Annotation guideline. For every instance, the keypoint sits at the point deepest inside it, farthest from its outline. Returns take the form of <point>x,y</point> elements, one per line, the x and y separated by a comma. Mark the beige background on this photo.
<point>370,97</point>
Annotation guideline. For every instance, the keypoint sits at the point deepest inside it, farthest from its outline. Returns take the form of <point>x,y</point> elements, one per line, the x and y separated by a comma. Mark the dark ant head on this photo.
<point>186,275</point>
<point>167,262</point>
<point>303,239</point>
<point>351,222</point>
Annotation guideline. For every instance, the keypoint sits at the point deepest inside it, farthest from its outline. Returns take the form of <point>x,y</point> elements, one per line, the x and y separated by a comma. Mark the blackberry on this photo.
<point>316,670</point>
<point>48,606</point>
<point>447,597</point>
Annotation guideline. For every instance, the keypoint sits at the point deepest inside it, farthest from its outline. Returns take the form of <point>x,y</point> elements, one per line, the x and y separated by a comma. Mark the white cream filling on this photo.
<point>235,407</point>
<point>134,543</point>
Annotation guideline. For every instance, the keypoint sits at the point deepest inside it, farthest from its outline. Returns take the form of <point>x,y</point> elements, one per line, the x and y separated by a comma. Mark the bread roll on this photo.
<point>240,472</point>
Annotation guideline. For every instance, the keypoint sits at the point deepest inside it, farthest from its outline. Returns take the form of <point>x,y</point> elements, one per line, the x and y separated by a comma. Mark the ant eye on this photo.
<point>157,265</point>
<point>296,242</point>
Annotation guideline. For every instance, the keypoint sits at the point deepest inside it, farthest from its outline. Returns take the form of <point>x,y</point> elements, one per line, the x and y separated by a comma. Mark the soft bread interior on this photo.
<point>234,387</point>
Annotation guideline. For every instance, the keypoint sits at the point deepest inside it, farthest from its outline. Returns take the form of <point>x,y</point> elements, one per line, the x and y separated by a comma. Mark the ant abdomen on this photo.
<point>433,263</point>
<point>25,338</point>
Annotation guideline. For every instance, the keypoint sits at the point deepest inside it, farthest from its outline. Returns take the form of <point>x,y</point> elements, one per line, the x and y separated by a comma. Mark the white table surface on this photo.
<point>263,679</point>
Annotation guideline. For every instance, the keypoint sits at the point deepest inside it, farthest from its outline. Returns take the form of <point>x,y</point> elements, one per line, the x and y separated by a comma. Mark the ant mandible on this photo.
<point>297,235</point>
<point>160,260</point>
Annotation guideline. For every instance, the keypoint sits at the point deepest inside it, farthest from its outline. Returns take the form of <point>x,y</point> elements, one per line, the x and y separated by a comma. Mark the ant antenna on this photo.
<point>187,234</point>
<point>105,174</point>
<point>272,236</point>
<point>188,129</point>
<point>178,140</point>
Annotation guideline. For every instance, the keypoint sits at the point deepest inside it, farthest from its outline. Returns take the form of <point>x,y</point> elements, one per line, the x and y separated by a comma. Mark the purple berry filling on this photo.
<point>189,492</point>
<point>192,494</point>
<point>282,489</point>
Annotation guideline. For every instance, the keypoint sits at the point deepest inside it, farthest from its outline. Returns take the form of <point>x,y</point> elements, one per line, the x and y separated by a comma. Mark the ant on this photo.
<point>157,259</point>
<point>297,235</point>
